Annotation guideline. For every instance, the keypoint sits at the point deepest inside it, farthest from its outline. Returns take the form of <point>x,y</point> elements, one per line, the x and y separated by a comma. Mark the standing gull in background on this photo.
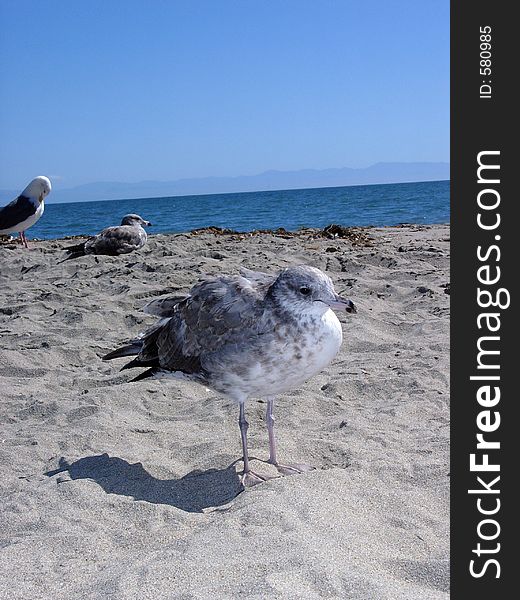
<point>125,238</point>
<point>24,211</point>
<point>254,335</point>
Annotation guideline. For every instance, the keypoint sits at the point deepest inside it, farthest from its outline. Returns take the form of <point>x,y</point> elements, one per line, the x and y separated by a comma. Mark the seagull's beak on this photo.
<point>343,304</point>
<point>148,224</point>
<point>40,197</point>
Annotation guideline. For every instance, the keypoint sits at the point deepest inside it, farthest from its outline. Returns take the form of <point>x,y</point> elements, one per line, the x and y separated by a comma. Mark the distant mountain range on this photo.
<point>269,180</point>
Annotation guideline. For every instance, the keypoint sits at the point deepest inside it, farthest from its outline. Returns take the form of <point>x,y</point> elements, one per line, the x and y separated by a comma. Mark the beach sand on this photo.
<point>121,490</point>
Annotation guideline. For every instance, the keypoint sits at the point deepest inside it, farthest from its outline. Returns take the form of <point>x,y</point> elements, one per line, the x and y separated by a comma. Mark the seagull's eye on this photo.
<point>305,291</point>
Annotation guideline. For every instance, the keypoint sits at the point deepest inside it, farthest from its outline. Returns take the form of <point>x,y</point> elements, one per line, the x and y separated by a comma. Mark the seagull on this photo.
<point>124,238</point>
<point>253,335</point>
<point>24,211</point>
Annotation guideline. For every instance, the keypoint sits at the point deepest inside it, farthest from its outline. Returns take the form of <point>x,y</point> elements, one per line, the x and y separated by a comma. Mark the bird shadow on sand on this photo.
<point>195,492</point>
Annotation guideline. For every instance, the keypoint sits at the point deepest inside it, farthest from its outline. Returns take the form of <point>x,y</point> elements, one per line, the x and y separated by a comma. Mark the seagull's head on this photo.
<point>307,289</point>
<point>39,188</point>
<point>135,220</point>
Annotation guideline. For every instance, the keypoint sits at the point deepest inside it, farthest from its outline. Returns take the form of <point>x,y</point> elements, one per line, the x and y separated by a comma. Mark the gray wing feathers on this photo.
<point>173,354</point>
<point>116,240</point>
<point>163,307</point>
<point>258,278</point>
<point>218,314</point>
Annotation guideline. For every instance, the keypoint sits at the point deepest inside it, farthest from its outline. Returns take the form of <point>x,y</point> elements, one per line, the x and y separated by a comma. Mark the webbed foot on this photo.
<point>293,469</point>
<point>250,478</point>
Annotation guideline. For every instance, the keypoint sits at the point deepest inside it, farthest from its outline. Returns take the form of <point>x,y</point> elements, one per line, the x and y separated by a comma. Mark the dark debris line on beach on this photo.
<point>357,236</point>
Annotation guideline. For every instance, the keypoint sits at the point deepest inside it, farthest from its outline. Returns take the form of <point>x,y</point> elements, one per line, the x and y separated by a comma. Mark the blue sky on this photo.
<point>136,90</point>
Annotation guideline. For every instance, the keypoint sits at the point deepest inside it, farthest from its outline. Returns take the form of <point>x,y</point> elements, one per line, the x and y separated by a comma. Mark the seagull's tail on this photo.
<point>131,349</point>
<point>75,251</point>
<point>145,351</point>
<point>145,375</point>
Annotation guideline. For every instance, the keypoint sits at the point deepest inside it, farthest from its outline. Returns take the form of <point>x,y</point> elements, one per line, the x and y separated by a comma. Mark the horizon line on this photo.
<point>247,192</point>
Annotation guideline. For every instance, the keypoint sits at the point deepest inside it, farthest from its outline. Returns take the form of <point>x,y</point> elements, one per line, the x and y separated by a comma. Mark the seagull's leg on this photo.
<point>24,239</point>
<point>249,477</point>
<point>283,469</point>
<point>269,417</point>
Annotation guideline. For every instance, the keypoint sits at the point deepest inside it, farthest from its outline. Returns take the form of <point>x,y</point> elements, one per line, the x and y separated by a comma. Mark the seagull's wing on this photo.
<point>163,307</point>
<point>254,283</point>
<point>258,279</point>
<point>16,212</point>
<point>116,240</point>
<point>219,312</point>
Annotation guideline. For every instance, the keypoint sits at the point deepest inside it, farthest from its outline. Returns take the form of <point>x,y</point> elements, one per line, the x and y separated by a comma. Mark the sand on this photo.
<point>130,491</point>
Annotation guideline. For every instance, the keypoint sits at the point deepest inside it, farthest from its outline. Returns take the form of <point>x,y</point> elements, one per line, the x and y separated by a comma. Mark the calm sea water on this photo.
<point>389,204</point>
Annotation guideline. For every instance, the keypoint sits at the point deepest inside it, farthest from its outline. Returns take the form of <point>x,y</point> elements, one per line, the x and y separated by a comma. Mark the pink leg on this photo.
<point>24,239</point>
<point>249,477</point>
<point>269,417</point>
<point>273,459</point>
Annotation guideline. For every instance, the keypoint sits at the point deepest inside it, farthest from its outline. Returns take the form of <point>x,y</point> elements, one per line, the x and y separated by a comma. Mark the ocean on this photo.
<point>425,202</point>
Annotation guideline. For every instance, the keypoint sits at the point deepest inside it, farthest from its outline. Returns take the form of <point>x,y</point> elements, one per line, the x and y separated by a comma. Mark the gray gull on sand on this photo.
<point>26,209</point>
<point>124,238</point>
<point>254,335</point>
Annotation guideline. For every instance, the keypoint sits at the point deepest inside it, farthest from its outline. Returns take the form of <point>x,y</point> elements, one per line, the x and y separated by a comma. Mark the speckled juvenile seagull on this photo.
<point>124,238</point>
<point>254,335</point>
<point>26,209</point>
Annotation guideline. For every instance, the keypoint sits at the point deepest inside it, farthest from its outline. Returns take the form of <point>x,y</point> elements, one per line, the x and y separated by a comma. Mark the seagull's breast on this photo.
<point>284,360</point>
<point>330,337</point>
<point>313,348</point>
<point>143,237</point>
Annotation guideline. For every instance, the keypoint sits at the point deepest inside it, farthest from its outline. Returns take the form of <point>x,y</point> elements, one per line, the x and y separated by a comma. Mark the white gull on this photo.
<point>25,210</point>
